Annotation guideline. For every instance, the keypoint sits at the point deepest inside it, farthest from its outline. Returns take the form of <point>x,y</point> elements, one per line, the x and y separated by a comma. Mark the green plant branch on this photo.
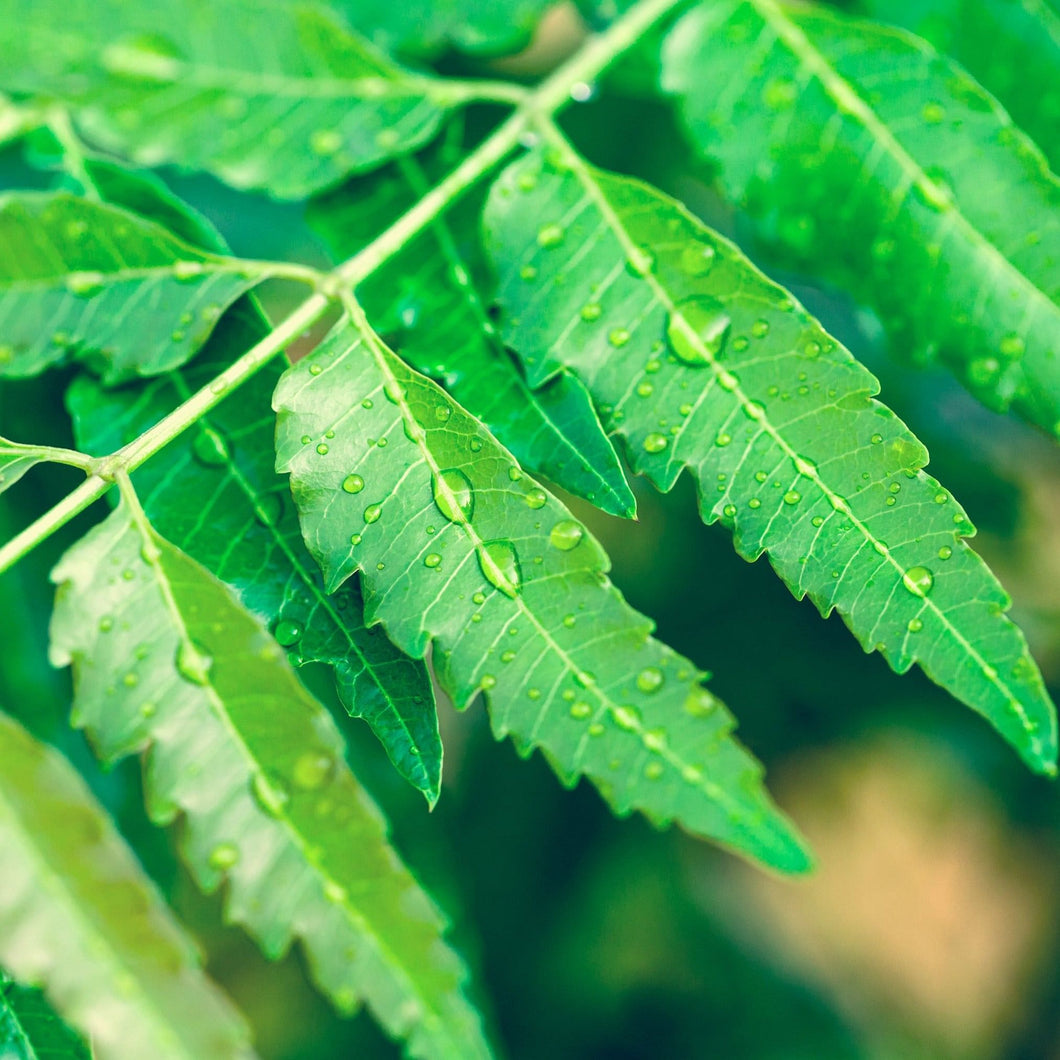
<point>57,121</point>
<point>545,100</point>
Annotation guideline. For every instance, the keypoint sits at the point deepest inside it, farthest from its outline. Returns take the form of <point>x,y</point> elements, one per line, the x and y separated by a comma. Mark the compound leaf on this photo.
<point>431,299</point>
<point>458,547</point>
<point>166,660</point>
<point>700,362</point>
<point>78,916</point>
<point>866,156</point>
<point>90,281</point>
<point>1011,47</point>
<point>267,94</point>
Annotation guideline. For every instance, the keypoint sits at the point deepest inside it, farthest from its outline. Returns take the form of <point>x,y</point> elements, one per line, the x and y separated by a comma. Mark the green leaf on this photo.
<point>270,94</point>
<point>88,281</point>
<point>245,531</point>
<point>426,27</point>
<point>432,299</point>
<point>865,156</point>
<point>700,362</point>
<point>16,459</point>
<point>460,549</point>
<point>30,1029</point>
<point>1012,47</point>
<point>165,659</point>
<point>78,916</point>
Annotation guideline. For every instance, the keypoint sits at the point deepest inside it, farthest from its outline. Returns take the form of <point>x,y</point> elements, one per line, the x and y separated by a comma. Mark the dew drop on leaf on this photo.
<point>269,794</point>
<point>288,632</point>
<point>655,442</point>
<point>697,259</point>
<point>84,284</point>
<point>312,770</point>
<point>432,559</point>
<point>536,498</point>
<point>627,718</point>
<point>453,495</point>
<point>580,710</point>
<point>268,509</point>
<point>210,448</point>
<point>223,856</point>
<point>500,566</point>
<point>591,311</point>
<point>372,513</point>
<point>698,330</point>
<point>566,534</point>
<point>618,337</point>
<point>918,580</point>
<point>650,679</point>
<point>550,235</point>
<point>353,484</point>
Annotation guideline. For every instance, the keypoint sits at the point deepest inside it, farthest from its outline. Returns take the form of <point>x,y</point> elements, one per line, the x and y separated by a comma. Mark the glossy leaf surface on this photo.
<point>457,546</point>
<point>166,660</point>
<point>700,362</point>
<point>865,156</point>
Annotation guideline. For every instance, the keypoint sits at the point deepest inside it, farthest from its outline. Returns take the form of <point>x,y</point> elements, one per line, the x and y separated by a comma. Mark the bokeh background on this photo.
<point>932,925</point>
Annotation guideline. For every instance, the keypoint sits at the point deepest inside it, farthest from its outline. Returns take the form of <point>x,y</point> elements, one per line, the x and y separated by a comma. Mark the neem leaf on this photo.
<point>78,916</point>
<point>83,280</point>
<point>166,660</point>
<point>864,155</point>
<point>457,546</point>
<point>700,362</point>
<point>272,94</point>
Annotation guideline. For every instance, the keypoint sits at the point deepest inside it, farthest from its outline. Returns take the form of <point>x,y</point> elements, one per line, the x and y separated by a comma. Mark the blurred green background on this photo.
<point>931,926</point>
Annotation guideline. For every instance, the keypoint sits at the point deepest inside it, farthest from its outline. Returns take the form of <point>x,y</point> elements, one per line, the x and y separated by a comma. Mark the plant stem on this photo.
<point>543,101</point>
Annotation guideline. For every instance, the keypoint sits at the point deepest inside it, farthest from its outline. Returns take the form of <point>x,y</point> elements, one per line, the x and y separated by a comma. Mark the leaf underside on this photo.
<point>266,94</point>
<point>78,916</point>
<point>431,300</point>
<point>865,156</point>
<point>89,281</point>
<point>16,460</point>
<point>166,660</point>
<point>699,362</point>
<point>457,546</point>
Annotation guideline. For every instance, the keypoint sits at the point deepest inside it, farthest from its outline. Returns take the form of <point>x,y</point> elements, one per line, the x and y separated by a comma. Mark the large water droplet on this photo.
<point>353,484</point>
<point>288,632</point>
<point>918,580</point>
<point>566,534</point>
<point>697,259</point>
<point>453,495</point>
<point>650,679</point>
<point>210,448</point>
<point>372,513</point>
<point>536,498</point>
<point>192,664</point>
<point>500,565</point>
<point>698,330</point>
<point>655,442</point>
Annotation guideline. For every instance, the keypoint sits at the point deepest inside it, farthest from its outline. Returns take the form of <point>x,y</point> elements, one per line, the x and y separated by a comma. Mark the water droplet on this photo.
<point>779,93</point>
<point>500,566</point>
<point>698,330</point>
<point>507,656</point>
<point>269,793</point>
<point>106,624</point>
<point>84,284</point>
<point>918,580</point>
<point>223,856</point>
<point>760,328</point>
<point>288,632</point>
<point>334,892</point>
<point>653,770</point>
<point>442,413</point>
<point>655,442</point>
<point>914,625</point>
<point>372,513</point>
<point>536,498</point>
<point>453,495</point>
<point>527,181</point>
<point>193,665</point>
<point>323,448</point>
<point>729,511</point>
<point>569,621</point>
<point>876,439</point>
<point>353,484</point>
<point>645,390</point>
<point>432,559</point>
<point>312,769</point>
<point>700,703</point>
<point>627,718</point>
<point>1012,346</point>
<point>591,311</point>
<point>697,259</point>
<point>475,445</point>
<point>210,448</point>
<point>566,535</point>
<point>185,271</point>
<point>550,235</point>
<point>650,679</point>
<point>618,337</point>
<point>580,710</point>
<point>945,552</point>
<point>487,681</point>
<point>514,474</point>
<point>268,509</point>
<point>933,113</point>
<point>325,141</point>
<point>640,262</point>
<point>792,497</point>
<point>528,272</point>
<point>478,598</point>
<point>722,439</point>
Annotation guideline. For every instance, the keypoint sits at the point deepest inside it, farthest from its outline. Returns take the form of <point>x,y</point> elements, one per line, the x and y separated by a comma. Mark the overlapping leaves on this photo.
<point>78,916</point>
<point>459,548</point>
<point>700,362</point>
<point>864,155</point>
<point>165,659</point>
<point>263,93</point>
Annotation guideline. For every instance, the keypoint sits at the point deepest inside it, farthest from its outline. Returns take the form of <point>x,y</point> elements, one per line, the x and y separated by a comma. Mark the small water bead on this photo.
<point>550,235</point>
<point>653,770</point>
<point>432,559</point>
<point>478,598</point>
<point>697,259</point>
<point>754,410</point>
<point>372,513</point>
<point>618,337</point>
<point>723,439</point>
<point>514,474</point>
<point>645,390</point>
<point>533,693</point>
<point>655,442</point>
<point>210,448</point>
<point>640,262</point>
<point>507,656</point>
<point>84,284</point>
<point>536,498</point>
<point>933,113</point>
<point>353,484</point>
<point>355,539</point>
<point>1012,346</point>
<point>591,311</point>
<point>500,566</point>
<point>650,679</point>
<point>915,625</point>
<point>698,330</point>
<point>792,497</point>
<point>580,710</point>
<point>442,413</point>
<point>106,624</point>
<point>876,439</point>
<point>223,856</point>
<point>945,552</point>
<point>760,329</point>
<point>312,769</point>
<point>941,498</point>
<point>453,495</point>
<point>754,502</point>
<point>288,632</point>
<point>918,580</point>
<point>526,181</point>
<point>817,520</point>
<point>566,535</point>
<point>569,621</point>
<point>487,681</point>
<point>325,141</point>
<point>315,369</point>
<point>323,448</point>
<point>653,366</point>
<point>528,272</point>
<point>729,511</point>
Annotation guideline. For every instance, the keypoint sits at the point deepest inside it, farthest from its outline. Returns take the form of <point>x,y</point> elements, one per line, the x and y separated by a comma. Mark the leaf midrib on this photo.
<point>836,500</point>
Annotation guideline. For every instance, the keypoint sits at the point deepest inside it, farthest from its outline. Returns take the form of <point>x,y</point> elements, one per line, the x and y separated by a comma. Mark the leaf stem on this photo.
<point>545,100</point>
